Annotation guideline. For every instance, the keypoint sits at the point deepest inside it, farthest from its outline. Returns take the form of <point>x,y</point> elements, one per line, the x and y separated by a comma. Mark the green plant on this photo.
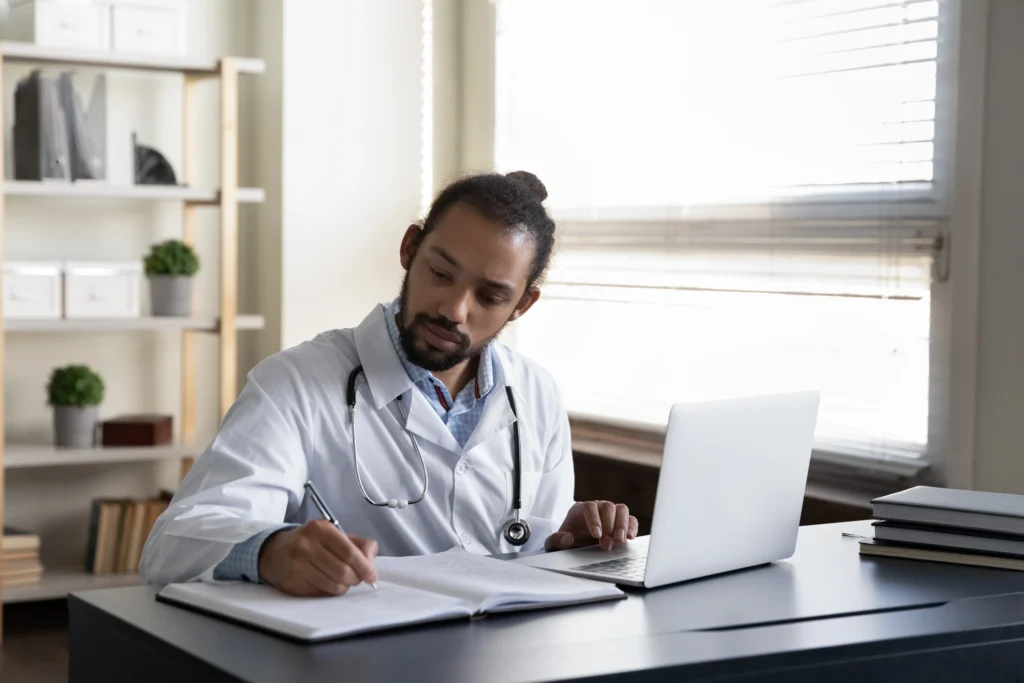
<point>75,385</point>
<point>172,257</point>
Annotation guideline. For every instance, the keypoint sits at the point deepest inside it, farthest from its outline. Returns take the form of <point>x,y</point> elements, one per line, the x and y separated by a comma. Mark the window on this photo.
<point>750,197</point>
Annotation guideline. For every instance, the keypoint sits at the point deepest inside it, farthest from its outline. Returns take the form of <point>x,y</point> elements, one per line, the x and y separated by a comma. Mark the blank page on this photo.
<point>360,610</point>
<point>488,582</point>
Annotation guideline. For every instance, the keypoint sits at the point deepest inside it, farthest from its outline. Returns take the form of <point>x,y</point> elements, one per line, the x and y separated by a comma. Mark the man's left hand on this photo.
<point>593,521</point>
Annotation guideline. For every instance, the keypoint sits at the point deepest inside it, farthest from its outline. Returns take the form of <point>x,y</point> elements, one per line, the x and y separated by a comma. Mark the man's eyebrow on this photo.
<point>447,257</point>
<point>503,286</point>
<point>493,284</point>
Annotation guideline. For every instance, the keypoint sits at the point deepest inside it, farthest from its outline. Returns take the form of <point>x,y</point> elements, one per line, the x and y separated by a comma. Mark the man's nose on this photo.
<point>456,307</point>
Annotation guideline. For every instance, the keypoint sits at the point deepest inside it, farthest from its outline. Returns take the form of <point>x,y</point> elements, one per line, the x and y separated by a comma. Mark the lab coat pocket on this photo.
<point>527,492</point>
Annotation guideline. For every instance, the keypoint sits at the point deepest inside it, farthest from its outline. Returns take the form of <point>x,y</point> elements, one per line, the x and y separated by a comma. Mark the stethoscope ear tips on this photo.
<point>395,503</point>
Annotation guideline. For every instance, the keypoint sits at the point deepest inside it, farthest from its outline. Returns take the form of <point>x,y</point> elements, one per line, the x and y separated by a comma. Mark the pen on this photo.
<point>326,513</point>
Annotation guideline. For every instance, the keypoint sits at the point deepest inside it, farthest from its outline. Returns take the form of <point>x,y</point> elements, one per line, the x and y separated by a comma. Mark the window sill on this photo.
<point>827,479</point>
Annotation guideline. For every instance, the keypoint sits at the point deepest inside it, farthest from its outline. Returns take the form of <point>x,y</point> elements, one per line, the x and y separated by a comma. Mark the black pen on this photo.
<point>327,513</point>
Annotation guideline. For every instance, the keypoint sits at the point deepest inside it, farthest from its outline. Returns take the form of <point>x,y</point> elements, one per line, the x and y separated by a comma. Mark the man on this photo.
<point>432,393</point>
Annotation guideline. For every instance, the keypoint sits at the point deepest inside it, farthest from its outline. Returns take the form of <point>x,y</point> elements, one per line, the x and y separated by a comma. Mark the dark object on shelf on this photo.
<point>138,430</point>
<point>41,147</point>
<point>55,136</point>
<point>151,167</point>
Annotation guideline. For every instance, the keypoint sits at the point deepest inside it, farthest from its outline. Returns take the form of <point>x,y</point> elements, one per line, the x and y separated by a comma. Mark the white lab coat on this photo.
<point>290,423</point>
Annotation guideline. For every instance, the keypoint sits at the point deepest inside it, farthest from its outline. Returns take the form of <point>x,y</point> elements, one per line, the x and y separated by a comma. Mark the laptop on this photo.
<point>729,496</point>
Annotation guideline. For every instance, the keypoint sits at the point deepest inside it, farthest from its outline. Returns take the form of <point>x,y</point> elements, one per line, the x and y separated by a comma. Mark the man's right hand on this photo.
<point>317,559</point>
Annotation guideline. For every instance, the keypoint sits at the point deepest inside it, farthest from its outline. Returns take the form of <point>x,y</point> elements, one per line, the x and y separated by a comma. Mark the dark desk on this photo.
<point>825,614</point>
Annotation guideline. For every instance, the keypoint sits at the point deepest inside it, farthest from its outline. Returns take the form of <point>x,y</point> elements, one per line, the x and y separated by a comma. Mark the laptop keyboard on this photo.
<point>629,568</point>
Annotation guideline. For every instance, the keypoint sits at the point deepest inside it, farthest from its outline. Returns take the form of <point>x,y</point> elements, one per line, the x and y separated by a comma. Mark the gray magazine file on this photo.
<point>54,136</point>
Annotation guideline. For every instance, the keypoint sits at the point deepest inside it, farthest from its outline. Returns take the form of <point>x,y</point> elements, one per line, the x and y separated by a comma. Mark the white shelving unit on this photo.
<point>23,456</point>
<point>59,581</point>
<point>102,190</point>
<point>143,324</point>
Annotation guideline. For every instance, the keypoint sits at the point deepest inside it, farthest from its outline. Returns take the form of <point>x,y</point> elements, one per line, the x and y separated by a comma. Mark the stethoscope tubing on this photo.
<point>515,530</point>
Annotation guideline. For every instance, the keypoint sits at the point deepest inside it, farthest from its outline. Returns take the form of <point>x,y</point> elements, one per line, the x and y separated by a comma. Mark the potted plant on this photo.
<point>75,393</point>
<point>170,266</point>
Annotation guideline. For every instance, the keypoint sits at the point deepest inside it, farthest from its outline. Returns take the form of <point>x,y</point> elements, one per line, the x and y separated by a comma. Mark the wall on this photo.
<point>260,237</point>
<point>351,164</point>
<point>141,370</point>
<point>999,447</point>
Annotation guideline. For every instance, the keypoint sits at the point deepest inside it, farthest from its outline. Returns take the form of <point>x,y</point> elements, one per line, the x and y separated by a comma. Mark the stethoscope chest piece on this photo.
<point>516,531</point>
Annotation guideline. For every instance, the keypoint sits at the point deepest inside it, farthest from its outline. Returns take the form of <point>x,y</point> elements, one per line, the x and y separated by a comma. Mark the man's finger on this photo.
<point>593,518</point>
<point>322,584</point>
<point>343,548</point>
<point>333,567</point>
<point>621,522</point>
<point>368,546</point>
<point>634,528</point>
<point>559,541</point>
<point>607,517</point>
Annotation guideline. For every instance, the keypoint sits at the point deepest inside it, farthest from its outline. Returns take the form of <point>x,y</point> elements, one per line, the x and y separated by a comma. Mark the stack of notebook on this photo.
<point>19,558</point>
<point>949,525</point>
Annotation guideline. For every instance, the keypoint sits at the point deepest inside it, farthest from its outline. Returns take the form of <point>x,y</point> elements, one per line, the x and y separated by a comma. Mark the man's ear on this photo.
<point>410,243</point>
<point>528,299</point>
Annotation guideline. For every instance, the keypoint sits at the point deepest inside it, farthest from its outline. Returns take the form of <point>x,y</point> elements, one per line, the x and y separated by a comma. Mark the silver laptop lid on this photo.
<point>731,486</point>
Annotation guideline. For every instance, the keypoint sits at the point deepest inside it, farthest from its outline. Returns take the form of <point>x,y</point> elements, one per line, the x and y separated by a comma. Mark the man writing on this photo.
<point>419,430</point>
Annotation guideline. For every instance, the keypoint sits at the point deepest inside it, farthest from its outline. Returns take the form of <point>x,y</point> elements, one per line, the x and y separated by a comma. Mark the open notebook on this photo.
<point>412,590</point>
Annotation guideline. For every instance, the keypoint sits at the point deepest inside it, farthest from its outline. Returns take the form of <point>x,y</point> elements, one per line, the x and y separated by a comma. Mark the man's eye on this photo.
<point>438,274</point>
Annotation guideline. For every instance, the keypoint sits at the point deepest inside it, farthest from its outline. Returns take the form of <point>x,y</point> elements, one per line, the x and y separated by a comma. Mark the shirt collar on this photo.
<point>485,372</point>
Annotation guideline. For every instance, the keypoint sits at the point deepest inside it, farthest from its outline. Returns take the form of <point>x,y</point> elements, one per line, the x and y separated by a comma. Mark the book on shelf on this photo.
<point>118,529</point>
<point>19,557</point>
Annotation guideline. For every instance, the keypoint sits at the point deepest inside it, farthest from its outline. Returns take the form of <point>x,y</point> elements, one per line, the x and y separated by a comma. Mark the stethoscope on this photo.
<point>515,530</point>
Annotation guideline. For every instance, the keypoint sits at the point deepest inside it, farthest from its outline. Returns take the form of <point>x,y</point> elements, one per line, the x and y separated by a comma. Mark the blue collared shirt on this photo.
<point>460,414</point>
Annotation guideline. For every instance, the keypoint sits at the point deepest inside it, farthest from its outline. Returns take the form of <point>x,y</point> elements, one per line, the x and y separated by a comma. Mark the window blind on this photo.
<point>681,103</point>
<point>749,198</point>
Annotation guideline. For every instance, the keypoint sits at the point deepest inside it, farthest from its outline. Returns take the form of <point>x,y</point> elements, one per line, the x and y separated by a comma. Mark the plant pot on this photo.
<point>75,427</point>
<point>170,295</point>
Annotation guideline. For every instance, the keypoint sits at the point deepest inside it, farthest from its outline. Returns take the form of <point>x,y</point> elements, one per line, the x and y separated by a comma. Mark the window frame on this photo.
<point>956,200</point>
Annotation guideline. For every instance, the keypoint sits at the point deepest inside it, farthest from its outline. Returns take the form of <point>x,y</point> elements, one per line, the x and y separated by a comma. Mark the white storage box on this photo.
<point>80,24</point>
<point>102,289</point>
<point>148,26</point>
<point>32,289</point>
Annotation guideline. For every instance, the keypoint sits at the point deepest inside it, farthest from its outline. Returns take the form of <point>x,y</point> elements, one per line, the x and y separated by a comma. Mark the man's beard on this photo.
<point>431,359</point>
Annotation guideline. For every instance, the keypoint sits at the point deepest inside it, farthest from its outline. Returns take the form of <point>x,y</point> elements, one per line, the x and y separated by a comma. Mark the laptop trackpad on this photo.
<point>570,559</point>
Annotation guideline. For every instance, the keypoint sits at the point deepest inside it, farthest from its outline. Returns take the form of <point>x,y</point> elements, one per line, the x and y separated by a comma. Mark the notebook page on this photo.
<point>360,610</point>
<point>488,582</point>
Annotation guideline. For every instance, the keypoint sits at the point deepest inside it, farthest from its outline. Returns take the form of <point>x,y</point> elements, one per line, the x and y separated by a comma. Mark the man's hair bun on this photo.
<point>530,182</point>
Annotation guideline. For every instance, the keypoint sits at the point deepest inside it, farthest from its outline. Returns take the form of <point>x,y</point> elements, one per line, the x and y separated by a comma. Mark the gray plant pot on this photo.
<point>75,427</point>
<point>170,295</point>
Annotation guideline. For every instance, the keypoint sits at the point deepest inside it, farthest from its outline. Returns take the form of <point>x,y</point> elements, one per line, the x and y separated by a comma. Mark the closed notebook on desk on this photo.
<point>412,590</point>
<point>981,510</point>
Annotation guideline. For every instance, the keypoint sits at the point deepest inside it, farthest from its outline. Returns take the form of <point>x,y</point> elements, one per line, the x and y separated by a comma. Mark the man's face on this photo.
<point>464,281</point>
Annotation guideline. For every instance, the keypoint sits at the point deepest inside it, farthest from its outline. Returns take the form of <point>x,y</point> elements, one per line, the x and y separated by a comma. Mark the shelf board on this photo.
<point>98,189</point>
<point>58,582</point>
<point>155,324</point>
<point>14,51</point>
<point>25,456</point>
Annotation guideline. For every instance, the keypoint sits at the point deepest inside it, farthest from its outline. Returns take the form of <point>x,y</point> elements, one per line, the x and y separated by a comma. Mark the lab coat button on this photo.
<point>461,468</point>
<point>466,538</point>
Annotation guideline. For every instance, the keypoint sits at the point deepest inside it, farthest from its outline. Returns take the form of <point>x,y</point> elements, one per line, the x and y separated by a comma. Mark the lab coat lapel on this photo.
<point>383,370</point>
<point>426,424</point>
<point>388,380</point>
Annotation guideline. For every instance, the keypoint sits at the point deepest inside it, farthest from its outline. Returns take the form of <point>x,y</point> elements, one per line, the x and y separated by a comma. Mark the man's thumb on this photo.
<point>559,541</point>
